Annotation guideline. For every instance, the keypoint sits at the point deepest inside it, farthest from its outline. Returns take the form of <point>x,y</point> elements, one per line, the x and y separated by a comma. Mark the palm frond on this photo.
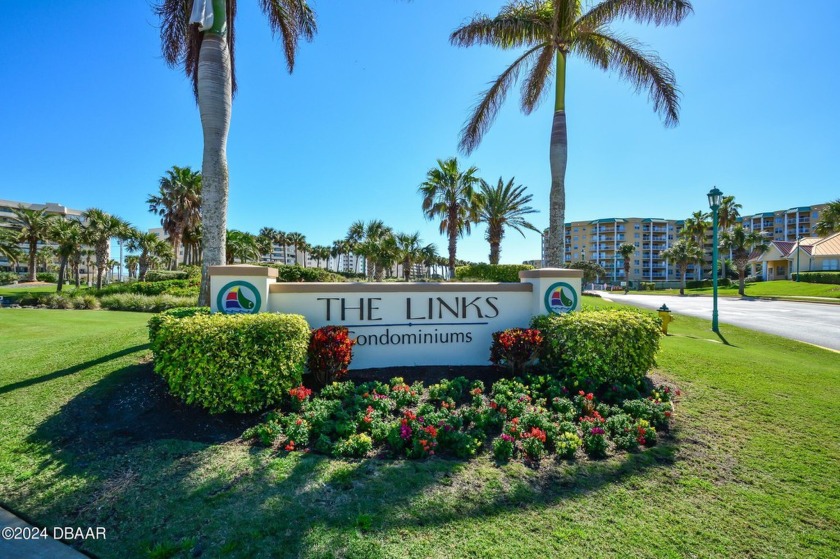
<point>518,24</point>
<point>566,13</point>
<point>535,84</point>
<point>485,111</point>
<point>643,69</point>
<point>291,19</point>
<point>658,12</point>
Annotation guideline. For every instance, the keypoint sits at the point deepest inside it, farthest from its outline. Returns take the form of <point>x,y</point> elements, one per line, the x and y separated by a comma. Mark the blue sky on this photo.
<point>91,116</point>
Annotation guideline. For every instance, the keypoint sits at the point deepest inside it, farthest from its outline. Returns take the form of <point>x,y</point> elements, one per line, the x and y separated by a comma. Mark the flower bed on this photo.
<point>525,418</point>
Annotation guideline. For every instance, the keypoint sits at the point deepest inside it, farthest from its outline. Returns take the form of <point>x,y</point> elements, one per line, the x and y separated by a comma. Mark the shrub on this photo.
<point>503,448</point>
<point>144,303</point>
<point>46,277</point>
<point>182,312</point>
<point>288,273</point>
<point>656,413</point>
<point>355,447</point>
<point>594,436</point>
<point>7,278</point>
<point>818,277</point>
<point>179,288</point>
<point>515,347</point>
<point>567,443</point>
<point>647,286</point>
<point>166,275</point>
<point>240,363</point>
<point>88,302</point>
<point>329,354</point>
<point>601,346</point>
<point>491,272</point>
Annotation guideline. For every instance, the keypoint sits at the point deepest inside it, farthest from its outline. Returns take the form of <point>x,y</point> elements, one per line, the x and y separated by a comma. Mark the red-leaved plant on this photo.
<point>329,354</point>
<point>514,347</point>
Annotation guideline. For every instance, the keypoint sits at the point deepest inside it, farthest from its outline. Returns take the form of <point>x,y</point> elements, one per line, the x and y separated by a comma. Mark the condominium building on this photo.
<point>7,219</point>
<point>599,240</point>
<point>785,225</point>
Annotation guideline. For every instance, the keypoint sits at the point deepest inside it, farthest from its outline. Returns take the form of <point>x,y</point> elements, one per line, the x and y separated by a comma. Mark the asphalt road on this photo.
<point>815,323</point>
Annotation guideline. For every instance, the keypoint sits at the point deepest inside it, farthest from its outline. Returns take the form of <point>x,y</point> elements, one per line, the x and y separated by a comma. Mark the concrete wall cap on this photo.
<point>551,273</point>
<point>243,270</point>
<point>419,287</point>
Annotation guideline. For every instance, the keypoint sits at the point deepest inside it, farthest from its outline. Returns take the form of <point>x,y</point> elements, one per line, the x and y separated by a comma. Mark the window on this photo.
<point>575,247</point>
<point>576,229</point>
<point>779,220</point>
<point>576,237</point>
<point>831,264</point>
<point>670,237</point>
<point>636,262</point>
<point>636,226</point>
<point>636,236</point>
<point>636,245</point>
<point>815,215</point>
<point>635,271</point>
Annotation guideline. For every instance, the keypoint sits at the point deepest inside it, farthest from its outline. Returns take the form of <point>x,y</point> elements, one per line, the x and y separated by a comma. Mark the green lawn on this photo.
<point>751,469</point>
<point>16,292</point>
<point>781,288</point>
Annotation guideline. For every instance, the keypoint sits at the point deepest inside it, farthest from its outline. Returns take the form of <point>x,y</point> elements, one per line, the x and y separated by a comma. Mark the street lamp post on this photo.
<point>715,198</point>
<point>797,257</point>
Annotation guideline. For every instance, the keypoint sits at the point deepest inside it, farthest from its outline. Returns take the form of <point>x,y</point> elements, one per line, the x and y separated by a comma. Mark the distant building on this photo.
<point>7,219</point>
<point>785,225</point>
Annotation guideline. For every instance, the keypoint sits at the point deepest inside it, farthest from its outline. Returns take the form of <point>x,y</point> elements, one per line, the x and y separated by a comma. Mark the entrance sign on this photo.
<point>403,324</point>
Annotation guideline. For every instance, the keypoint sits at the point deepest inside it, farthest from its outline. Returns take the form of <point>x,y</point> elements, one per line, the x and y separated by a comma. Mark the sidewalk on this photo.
<point>31,549</point>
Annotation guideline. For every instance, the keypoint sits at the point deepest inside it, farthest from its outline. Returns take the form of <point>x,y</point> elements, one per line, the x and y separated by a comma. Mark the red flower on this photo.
<point>290,447</point>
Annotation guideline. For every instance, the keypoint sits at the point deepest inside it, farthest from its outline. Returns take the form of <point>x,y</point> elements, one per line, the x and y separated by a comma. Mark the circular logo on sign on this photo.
<point>560,298</point>
<point>238,297</point>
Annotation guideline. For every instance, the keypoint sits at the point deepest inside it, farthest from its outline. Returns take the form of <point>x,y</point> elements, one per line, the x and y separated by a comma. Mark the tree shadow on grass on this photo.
<point>71,370</point>
<point>160,475</point>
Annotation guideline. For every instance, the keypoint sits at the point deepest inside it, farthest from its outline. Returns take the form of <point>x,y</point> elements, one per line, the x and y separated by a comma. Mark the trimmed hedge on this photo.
<point>599,347</point>
<point>179,288</point>
<point>166,275</point>
<point>46,277</point>
<point>67,300</point>
<point>181,312</point>
<point>695,284</point>
<point>288,273</point>
<point>239,363</point>
<point>491,272</point>
<point>819,277</point>
<point>145,303</point>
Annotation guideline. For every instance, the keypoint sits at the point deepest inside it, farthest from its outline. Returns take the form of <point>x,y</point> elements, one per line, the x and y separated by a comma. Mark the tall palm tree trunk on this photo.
<point>683,273</point>
<point>32,272</point>
<point>558,157</point>
<point>176,245</point>
<point>62,269</point>
<point>214,103</point>
<point>494,252</point>
<point>453,240</point>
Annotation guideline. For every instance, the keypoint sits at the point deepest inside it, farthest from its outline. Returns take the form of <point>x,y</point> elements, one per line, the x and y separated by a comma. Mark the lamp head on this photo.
<point>715,198</point>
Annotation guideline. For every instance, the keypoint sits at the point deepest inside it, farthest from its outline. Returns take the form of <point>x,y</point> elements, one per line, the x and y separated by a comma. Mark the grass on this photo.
<point>751,469</point>
<point>16,292</point>
<point>781,288</point>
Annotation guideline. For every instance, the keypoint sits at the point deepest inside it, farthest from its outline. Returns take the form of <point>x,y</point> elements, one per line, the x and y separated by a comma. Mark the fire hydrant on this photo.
<point>665,316</point>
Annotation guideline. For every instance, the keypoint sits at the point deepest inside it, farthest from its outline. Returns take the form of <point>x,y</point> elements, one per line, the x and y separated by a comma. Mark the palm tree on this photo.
<point>375,233</point>
<point>9,248</point>
<point>67,234</point>
<point>131,263</point>
<point>626,250</point>
<point>298,241</point>
<point>265,242</point>
<point>694,229</point>
<point>178,203</point>
<point>408,251</point>
<point>743,244</point>
<point>34,227</point>
<point>682,253</point>
<point>100,228</point>
<point>151,247</point>
<point>241,245</point>
<point>728,214</point>
<point>199,37</point>
<point>829,220</point>
<point>504,205</point>
<point>449,195</point>
<point>551,30</point>
<point>355,235</point>
<point>281,239</point>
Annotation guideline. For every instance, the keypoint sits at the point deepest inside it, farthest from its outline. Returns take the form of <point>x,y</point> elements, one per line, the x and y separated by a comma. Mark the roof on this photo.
<point>829,246</point>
